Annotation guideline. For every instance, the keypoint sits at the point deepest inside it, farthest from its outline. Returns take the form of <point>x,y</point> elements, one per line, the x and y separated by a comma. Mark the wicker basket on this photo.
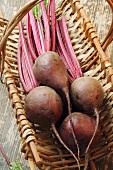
<point>41,148</point>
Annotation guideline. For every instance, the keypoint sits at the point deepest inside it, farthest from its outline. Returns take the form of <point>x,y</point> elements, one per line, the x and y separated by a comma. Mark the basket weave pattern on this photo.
<point>40,146</point>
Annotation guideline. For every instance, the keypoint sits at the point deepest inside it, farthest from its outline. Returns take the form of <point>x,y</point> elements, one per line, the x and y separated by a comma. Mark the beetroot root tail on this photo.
<point>60,140</point>
<point>71,123</point>
<point>95,131</point>
<point>86,161</point>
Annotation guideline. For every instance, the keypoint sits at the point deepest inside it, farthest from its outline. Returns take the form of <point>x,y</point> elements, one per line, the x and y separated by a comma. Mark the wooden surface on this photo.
<point>100,14</point>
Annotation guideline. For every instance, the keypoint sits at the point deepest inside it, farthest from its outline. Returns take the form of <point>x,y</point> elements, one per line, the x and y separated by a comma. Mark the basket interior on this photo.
<point>47,146</point>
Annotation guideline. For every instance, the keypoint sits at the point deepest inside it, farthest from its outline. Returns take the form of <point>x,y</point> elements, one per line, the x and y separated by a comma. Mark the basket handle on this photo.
<point>11,25</point>
<point>23,11</point>
<point>109,37</point>
<point>72,4</point>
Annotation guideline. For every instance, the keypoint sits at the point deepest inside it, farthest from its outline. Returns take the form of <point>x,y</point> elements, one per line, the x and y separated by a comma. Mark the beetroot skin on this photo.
<point>86,94</point>
<point>43,106</point>
<point>84,127</point>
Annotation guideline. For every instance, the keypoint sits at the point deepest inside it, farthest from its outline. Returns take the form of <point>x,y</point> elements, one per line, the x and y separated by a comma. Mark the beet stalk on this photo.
<point>21,69</point>
<point>67,59</point>
<point>41,34</point>
<point>69,47</point>
<point>25,73</point>
<point>4,155</point>
<point>53,25</point>
<point>46,27</point>
<point>63,58</point>
<point>35,33</point>
<point>29,37</point>
<point>28,58</point>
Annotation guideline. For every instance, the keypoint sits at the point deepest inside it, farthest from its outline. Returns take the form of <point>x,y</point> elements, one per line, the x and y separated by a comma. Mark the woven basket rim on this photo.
<point>22,12</point>
<point>104,59</point>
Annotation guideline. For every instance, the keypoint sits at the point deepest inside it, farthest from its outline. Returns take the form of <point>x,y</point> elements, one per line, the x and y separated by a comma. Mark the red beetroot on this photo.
<point>43,106</point>
<point>87,95</point>
<point>84,127</point>
<point>50,70</point>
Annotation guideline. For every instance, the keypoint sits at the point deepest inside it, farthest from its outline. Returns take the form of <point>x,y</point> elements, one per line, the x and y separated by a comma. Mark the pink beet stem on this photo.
<point>69,47</point>
<point>29,37</point>
<point>63,49</point>
<point>66,48</point>
<point>4,155</point>
<point>59,51</point>
<point>46,27</point>
<point>61,55</point>
<point>27,55</point>
<point>41,35</point>
<point>48,10</point>
<point>19,60</point>
<point>29,84</point>
<point>25,73</point>
<point>35,33</point>
<point>41,28</point>
<point>70,78</point>
<point>53,25</point>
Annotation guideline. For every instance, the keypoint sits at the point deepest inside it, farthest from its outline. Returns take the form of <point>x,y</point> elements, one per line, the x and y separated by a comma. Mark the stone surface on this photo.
<point>100,14</point>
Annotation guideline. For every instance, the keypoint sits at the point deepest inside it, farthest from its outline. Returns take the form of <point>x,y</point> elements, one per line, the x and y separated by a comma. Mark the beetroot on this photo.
<point>84,126</point>
<point>87,95</point>
<point>50,70</point>
<point>43,106</point>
